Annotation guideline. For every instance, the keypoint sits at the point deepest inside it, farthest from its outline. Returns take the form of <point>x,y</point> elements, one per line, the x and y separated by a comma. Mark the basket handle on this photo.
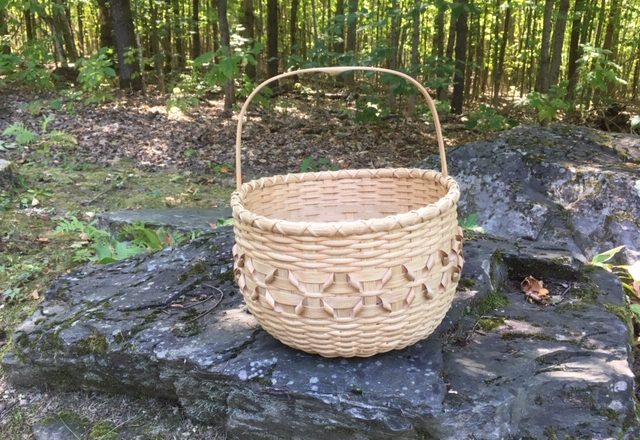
<point>335,71</point>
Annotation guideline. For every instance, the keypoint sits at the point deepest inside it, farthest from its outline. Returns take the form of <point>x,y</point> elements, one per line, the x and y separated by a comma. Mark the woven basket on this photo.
<point>352,262</point>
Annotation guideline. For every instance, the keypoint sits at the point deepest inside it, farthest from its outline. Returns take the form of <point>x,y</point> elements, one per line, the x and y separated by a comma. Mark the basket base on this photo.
<point>355,338</point>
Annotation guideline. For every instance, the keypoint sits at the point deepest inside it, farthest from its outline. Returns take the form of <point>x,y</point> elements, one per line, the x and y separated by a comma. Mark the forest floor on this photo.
<point>130,154</point>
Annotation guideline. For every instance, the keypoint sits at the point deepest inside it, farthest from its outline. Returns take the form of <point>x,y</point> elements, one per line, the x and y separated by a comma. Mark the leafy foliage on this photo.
<point>310,164</point>
<point>470,223</point>
<point>44,140</point>
<point>547,105</point>
<point>487,119</point>
<point>96,75</point>
<point>20,134</point>
<point>28,67</point>
<point>628,274</point>
<point>598,73</point>
<point>99,246</point>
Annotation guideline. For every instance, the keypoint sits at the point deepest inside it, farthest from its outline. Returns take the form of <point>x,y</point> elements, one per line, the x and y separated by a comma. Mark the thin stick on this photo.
<point>69,429</point>
<point>209,310</point>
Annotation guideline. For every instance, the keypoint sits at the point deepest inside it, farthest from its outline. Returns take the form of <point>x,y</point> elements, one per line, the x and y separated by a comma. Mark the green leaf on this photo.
<point>603,257</point>
<point>227,67</point>
<point>205,58</point>
<point>103,251</point>
<point>224,222</point>
<point>635,309</point>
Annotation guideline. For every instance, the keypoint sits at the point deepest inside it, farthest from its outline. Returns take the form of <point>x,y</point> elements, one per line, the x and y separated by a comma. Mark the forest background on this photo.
<point>575,59</point>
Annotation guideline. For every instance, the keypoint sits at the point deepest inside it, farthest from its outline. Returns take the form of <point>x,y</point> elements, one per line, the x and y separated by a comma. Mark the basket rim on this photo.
<point>347,227</point>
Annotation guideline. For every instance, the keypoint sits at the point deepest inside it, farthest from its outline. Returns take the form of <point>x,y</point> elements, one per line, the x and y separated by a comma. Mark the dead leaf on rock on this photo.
<point>534,290</point>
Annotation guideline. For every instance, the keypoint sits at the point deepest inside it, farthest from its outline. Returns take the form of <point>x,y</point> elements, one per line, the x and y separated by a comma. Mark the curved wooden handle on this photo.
<point>335,71</point>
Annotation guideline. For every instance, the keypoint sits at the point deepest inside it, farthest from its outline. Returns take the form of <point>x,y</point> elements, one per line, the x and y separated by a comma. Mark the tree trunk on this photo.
<point>125,39</point>
<point>524,48</point>
<point>62,25</point>
<point>106,29</point>
<point>225,42</point>
<point>558,42</point>
<point>451,40</point>
<point>499,68</point>
<point>457,98</point>
<point>272,38</point>
<point>293,27</point>
<point>612,25</point>
<point>542,85</point>
<point>474,27</point>
<point>158,56</point>
<point>314,17</point>
<point>167,36</point>
<point>601,20</point>
<point>480,43</point>
<point>178,55</point>
<point>56,39</point>
<point>394,42</point>
<point>28,24</point>
<point>5,48</point>
<point>338,28</point>
<point>636,76</point>
<point>438,36</point>
<point>574,49</point>
<point>352,24</point>
<point>80,14</point>
<point>415,52</point>
<point>248,23</point>
<point>196,50</point>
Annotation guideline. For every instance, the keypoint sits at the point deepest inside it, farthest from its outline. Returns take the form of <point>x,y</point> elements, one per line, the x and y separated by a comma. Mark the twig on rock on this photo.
<point>209,310</point>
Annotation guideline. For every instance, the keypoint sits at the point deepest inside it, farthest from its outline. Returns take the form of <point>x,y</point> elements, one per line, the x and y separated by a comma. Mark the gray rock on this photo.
<point>7,174</point>
<point>179,219</point>
<point>173,325</point>
<point>571,186</point>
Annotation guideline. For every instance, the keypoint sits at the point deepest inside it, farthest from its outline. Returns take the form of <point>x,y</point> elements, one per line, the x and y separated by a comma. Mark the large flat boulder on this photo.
<point>571,186</point>
<point>173,325</point>
<point>178,219</point>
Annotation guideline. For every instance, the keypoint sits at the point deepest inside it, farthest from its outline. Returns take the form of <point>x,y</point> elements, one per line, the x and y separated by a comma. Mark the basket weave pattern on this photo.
<point>352,262</point>
<point>348,288</point>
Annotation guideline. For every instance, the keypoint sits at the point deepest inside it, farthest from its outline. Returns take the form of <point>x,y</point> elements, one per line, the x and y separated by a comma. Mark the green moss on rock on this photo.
<point>104,430</point>
<point>488,324</point>
<point>94,344</point>
<point>490,302</point>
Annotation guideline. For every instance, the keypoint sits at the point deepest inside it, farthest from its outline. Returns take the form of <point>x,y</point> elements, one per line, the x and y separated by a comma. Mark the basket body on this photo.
<point>348,263</point>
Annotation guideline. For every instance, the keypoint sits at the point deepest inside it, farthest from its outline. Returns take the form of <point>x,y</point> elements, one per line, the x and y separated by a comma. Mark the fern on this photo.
<point>71,224</point>
<point>45,122</point>
<point>21,134</point>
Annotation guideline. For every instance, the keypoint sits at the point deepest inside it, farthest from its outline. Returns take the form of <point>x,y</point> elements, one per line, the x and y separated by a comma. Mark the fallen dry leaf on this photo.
<point>43,239</point>
<point>35,295</point>
<point>534,290</point>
